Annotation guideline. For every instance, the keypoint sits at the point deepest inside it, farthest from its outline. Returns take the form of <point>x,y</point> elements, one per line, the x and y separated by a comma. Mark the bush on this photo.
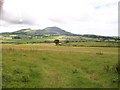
<point>56,41</point>
<point>67,41</point>
<point>118,68</point>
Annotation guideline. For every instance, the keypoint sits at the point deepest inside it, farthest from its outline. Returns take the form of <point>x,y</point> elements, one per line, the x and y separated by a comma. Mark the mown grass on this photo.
<point>50,66</point>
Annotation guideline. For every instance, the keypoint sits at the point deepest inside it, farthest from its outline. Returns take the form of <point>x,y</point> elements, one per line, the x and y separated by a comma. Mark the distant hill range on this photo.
<point>56,32</point>
<point>46,31</point>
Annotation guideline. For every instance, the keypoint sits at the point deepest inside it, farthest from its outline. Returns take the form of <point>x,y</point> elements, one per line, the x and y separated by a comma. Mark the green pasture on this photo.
<point>92,44</point>
<point>50,66</point>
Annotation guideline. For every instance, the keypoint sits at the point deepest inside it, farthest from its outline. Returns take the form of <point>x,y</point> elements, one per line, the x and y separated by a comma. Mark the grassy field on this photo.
<point>39,39</point>
<point>50,66</point>
<point>92,44</point>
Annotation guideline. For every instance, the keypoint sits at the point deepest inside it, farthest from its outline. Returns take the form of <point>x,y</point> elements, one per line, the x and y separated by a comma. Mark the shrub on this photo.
<point>56,41</point>
<point>67,41</point>
<point>118,68</point>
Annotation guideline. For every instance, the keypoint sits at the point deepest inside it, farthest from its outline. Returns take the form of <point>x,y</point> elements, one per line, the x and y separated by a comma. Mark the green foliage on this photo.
<point>56,41</point>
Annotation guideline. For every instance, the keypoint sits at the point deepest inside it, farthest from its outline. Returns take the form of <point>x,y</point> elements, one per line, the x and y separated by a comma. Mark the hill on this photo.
<point>48,30</point>
<point>54,31</point>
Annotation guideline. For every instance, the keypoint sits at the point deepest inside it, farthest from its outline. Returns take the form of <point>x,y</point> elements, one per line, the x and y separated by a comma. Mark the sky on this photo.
<point>98,17</point>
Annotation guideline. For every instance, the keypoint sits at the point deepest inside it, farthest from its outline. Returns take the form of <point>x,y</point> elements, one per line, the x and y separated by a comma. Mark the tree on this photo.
<point>67,41</point>
<point>56,41</point>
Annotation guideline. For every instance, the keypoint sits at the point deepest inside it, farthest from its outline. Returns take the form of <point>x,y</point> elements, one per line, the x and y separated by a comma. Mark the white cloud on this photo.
<point>77,16</point>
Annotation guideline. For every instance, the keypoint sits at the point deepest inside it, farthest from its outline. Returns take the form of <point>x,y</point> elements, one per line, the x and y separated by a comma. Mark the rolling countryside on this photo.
<point>78,61</point>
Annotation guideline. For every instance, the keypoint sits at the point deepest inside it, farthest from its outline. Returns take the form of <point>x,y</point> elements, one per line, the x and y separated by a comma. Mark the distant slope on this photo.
<point>25,31</point>
<point>55,31</point>
<point>48,30</point>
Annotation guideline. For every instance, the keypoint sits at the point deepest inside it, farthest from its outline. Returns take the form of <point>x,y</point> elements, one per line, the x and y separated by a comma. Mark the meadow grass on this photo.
<point>93,44</point>
<point>33,40</point>
<point>50,66</point>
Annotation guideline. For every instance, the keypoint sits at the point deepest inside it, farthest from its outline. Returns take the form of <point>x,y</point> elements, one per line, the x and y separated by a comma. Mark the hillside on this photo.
<point>48,30</point>
<point>55,31</point>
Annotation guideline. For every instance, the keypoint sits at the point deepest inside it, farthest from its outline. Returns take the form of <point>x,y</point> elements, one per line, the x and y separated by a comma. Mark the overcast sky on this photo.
<point>98,17</point>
